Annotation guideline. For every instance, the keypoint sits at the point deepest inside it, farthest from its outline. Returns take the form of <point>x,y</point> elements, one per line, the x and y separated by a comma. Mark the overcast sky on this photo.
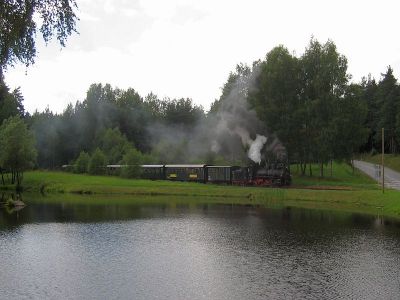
<point>186,48</point>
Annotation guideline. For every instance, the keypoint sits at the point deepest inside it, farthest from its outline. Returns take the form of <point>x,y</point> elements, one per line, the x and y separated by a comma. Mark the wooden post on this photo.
<point>383,160</point>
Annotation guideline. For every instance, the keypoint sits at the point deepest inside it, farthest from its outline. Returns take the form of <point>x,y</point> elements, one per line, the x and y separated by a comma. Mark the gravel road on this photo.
<point>392,178</point>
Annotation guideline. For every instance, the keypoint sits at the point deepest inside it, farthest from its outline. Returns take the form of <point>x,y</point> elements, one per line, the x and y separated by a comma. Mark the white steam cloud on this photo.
<point>236,119</point>
<point>254,152</point>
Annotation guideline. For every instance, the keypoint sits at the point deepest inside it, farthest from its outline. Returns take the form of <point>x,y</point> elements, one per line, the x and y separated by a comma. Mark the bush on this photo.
<point>97,163</point>
<point>82,163</point>
<point>17,148</point>
<point>132,161</point>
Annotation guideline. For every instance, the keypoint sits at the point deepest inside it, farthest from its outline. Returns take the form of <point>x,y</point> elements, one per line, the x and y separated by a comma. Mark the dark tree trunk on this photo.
<point>2,177</point>
<point>321,170</point>
<point>303,168</point>
<point>19,180</point>
<point>310,169</point>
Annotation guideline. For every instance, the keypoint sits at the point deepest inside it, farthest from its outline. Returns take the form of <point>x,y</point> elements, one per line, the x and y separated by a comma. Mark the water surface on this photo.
<point>76,250</point>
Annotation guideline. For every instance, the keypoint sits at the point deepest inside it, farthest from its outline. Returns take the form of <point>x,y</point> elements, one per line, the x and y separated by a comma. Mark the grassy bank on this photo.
<point>343,177</point>
<point>344,191</point>
<point>392,161</point>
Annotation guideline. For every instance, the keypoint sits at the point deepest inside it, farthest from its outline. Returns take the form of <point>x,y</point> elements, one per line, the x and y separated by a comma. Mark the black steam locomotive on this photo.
<point>275,175</point>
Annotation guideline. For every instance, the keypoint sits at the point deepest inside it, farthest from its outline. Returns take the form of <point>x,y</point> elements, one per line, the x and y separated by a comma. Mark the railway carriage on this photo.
<point>153,172</point>
<point>195,173</point>
<point>274,175</point>
<point>220,174</point>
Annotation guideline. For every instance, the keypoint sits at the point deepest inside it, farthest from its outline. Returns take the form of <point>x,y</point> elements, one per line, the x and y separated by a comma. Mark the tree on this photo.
<point>17,148</point>
<point>45,127</point>
<point>132,161</point>
<point>10,103</point>
<point>82,163</point>
<point>182,113</point>
<point>19,21</point>
<point>324,79</point>
<point>97,163</point>
<point>114,144</point>
<point>133,116</point>
<point>369,97</point>
<point>300,99</point>
<point>388,97</point>
<point>275,98</point>
<point>348,125</point>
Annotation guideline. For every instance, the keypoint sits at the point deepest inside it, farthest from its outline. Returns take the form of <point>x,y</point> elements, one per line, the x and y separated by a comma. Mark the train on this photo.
<point>277,174</point>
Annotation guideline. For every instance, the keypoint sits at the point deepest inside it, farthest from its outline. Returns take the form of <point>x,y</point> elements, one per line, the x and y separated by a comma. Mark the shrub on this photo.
<point>132,161</point>
<point>97,163</point>
<point>82,163</point>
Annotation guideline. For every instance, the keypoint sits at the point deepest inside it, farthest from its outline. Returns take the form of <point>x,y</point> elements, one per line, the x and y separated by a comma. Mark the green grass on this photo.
<point>392,161</point>
<point>344,191</point>
<point>342,177</point>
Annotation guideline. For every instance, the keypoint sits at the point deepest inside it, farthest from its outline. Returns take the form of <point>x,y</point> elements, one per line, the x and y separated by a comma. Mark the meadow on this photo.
<point>346,190</point>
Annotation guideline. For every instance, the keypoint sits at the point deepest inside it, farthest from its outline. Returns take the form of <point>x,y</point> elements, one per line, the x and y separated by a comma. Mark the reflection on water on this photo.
<point>11,203</point>
<point>173,251</point>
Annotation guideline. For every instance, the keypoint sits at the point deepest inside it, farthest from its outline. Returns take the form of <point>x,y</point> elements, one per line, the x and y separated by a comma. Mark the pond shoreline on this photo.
<point>357,195</point>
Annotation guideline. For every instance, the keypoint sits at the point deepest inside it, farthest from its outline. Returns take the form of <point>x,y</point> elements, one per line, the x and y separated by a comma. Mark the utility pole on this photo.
<point>383,160</point>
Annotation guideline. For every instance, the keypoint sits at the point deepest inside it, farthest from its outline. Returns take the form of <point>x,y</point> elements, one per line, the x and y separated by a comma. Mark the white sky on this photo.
<point>186,48</point>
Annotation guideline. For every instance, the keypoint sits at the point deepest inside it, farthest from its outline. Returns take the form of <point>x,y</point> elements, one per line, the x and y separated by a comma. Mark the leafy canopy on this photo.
<point>20,20</point>
<point>82,163</point>
<point>17,145</point>
<point>97,163</point>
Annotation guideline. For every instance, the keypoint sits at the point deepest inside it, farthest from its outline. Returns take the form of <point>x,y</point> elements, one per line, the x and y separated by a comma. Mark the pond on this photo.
<point>89,249</point>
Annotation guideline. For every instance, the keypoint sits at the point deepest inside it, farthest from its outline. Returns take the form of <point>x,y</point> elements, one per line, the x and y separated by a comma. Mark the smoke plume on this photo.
<point>232,130</point>
<point>254,152</point>
<point>235,119</point>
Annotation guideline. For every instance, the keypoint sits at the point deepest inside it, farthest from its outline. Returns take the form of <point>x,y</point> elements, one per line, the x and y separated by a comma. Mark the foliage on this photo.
<point>19,21</point>
<point>131,164</point>
<point>369,93</point>
<point>182,112</point>
<point>82,163</point>
<point>10,103</point>
<point>306,101</point>
<point>17,148</point>
<point>113,120</point>
<point>276,99</point>
<point>97,163</point>
<point>114,145</point>
<point>169,152</point>
<point>383,99</point>
<point>388,100</point>
<point>49,143</point>
<point>348,127</point>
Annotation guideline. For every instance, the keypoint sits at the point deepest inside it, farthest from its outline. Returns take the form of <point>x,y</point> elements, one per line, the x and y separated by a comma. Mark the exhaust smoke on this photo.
<point>254,152</point>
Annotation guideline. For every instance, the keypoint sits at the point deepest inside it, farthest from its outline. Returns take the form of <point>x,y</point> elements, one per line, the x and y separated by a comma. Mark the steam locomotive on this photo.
<point>274,175</point>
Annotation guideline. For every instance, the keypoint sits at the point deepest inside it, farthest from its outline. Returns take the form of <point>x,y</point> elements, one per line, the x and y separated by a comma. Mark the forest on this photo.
<point>307,105</point>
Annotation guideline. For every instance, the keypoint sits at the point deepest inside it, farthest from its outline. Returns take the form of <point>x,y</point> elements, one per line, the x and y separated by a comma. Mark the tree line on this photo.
<point>308,102</point>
